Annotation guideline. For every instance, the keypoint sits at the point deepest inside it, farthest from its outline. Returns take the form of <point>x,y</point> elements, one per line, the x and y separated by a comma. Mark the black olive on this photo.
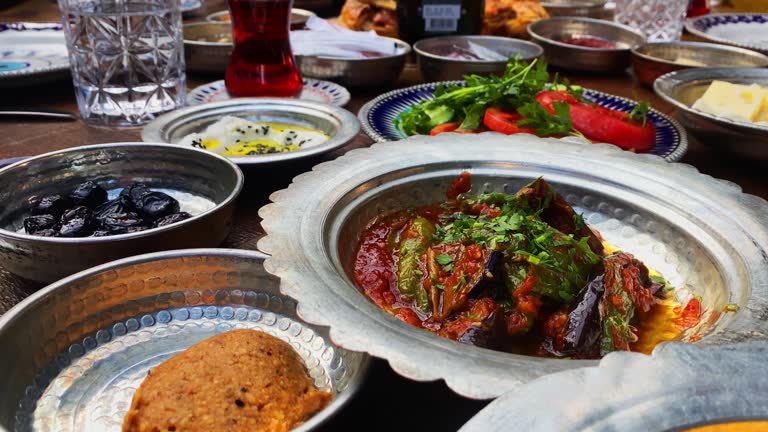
<point>171,219</point>
<point>118,223</point>
<point>135,192</point>
<point>78,222</point>
<point>89,194</point>
<point>54,205</point>
<point>50,232</point>
<point>121,204</point>
<point>36,223</point>
<point>155,205</point>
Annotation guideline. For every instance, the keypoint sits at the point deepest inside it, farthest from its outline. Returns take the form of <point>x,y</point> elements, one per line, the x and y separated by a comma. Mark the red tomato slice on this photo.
<point>601,124</point>
<point>504,122</point>
<point>453,127</point>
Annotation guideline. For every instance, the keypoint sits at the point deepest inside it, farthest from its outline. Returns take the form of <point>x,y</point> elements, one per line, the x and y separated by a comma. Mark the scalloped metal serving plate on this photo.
<point>737,29</point>
<point>679,387</point>
<point>704,235</point>
<point>77,350</point>
<point>378,117</point>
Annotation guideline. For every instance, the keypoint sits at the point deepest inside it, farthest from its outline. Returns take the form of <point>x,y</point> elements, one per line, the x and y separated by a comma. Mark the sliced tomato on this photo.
<point>504,122</point>
<point>601,124</point>
<point>453,127</point>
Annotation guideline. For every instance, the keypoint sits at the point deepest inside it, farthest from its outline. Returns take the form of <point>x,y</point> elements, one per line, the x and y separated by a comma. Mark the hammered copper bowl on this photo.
<point>75,352</point>
<point>549,32</point>
<point>436,63</point>
<point>207,46</point>
<point>652,60</point>
<point>206,186</point>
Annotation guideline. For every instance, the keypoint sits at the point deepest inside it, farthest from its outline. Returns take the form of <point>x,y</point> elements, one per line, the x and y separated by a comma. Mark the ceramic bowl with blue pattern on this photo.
<point>742,30</point>
<point>32,53</point>
<point>378,117</point>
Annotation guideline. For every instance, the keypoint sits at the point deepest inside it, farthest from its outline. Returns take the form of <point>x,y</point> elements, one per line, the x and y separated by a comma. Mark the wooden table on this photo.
<point>385,394</point>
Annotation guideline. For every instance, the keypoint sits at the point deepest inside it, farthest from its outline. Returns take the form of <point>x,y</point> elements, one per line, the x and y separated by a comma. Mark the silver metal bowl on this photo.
<point>549,32</point>
<point>652,60</point>
<point>299,17</point>
<point>582,8</point>
<point>435,64</point>
<point>683,88</point>
<point>205,184</point>
<point>207,46</point>
<point>367,72</point>
<point>341,125</point>
<point>703,234</point>
<point>680,387</point>
<point>76,351</point>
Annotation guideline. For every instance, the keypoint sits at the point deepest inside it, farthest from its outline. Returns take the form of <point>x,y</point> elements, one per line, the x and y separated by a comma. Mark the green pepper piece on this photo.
<point>413,246</point>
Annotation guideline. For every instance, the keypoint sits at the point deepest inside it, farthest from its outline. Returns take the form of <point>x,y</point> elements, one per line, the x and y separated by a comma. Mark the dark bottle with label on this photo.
<point>419,19</point>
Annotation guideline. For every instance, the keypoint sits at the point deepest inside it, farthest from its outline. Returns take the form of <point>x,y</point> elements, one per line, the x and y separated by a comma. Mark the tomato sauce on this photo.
<point>590,42</point>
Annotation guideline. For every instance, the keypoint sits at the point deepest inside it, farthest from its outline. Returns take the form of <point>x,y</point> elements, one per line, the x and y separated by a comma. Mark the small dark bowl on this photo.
<point>652,60</point>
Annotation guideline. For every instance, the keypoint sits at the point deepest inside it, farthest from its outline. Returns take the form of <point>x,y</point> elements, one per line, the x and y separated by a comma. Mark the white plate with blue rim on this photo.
<point>316,90</point>
<point>32,53</point>
<point>743,30</point>
<point>378,116</point>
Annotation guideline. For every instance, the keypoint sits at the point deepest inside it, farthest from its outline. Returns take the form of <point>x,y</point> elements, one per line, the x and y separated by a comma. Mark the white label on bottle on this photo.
<point>441,17</point>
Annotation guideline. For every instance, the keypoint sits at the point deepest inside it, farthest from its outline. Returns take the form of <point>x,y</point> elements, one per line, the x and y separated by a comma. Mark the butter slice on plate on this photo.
<point>747,103</point>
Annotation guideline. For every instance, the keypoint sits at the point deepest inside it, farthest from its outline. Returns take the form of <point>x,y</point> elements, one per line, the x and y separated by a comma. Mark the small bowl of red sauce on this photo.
<point>585,44</point>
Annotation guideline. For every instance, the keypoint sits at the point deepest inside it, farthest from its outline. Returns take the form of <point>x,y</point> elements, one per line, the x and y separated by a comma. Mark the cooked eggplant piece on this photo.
<point>78,222</point>
<point>627,289</point>
<point>154,205</point>
<point>171,219</point>
<point>470,269</point>
<point>488,333</point>
<point>89,194</point>
<point>556,211</point>
<point>118,223</point>
<point>121,204</point>
<point>582,330</point>
<point>54,205</point>
<point>34,224</point>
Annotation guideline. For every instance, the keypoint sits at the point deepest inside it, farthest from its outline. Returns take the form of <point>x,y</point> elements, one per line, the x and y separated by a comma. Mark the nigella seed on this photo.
<point>239,403</point>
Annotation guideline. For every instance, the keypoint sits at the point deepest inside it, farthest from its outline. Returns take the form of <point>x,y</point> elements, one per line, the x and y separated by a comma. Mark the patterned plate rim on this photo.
<point>691,23</point>
<point>33,26</point>
<point>365,112</point>
<point>194,96</point>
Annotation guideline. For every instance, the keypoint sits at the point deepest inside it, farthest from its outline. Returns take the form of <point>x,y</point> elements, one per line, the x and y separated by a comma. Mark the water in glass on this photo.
<point>659,20</point>
<point>127,59</point>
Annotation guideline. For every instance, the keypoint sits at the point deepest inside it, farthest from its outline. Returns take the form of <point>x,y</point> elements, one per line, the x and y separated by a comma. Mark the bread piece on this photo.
<point>239,381</point>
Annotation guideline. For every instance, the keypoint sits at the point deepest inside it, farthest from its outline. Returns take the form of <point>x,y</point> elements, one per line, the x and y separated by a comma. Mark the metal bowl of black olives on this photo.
<point>70,210</point>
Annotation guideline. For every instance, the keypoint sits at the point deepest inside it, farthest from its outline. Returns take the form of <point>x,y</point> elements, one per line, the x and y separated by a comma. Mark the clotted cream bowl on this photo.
<point>704,235</point>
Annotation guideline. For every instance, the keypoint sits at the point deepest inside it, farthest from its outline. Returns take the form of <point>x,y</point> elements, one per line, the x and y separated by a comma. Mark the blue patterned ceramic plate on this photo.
<point>32,49</point>
<point>378,117</point>
<point>742,30</point>
<point>314,90</point>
